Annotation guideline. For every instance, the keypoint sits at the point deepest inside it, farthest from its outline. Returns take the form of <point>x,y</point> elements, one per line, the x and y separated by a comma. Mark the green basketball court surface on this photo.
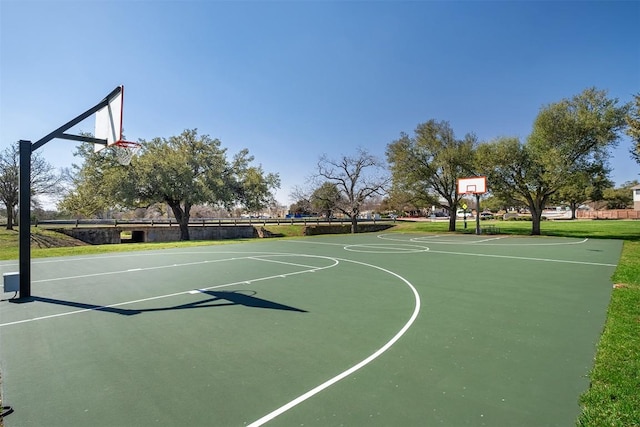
<point>376,329</point>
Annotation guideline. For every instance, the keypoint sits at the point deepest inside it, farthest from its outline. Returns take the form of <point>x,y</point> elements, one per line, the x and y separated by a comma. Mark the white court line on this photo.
<point>132,270</point>
<point>462,241</point>
<point>491,256</point>
<point>282,262</point>
<point>488,240</point>
<point>386,248</point>
<point>298,400</point>
<point>84,258</point>
<point>316,243</point>
<point>84,310</point>
<point>95,257</point>
<point>187,264</point>
<point>525,258</point>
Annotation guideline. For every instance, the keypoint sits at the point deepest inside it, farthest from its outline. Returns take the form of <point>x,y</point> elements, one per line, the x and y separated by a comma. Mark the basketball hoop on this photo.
<point>125,150</point>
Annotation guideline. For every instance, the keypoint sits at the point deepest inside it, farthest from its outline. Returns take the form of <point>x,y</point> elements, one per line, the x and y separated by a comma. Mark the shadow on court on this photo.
<point>218,299</point>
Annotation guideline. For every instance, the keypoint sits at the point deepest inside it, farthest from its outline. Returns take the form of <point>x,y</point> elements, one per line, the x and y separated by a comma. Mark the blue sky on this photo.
<point>292,80</point>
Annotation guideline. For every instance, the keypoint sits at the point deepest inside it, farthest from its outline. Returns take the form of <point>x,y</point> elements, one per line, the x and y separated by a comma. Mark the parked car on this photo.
<point>486,215</point>
<point>462,213</point>
<point>439,214</point>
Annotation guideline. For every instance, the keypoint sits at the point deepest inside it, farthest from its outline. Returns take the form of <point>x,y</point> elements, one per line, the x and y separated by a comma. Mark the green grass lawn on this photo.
<point>63,245</point>
<point>613,398</point>
<point>604,229</point>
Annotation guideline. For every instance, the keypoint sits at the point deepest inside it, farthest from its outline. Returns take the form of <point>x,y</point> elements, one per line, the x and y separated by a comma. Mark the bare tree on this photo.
<point>43,179</point>
<point>357,178</point>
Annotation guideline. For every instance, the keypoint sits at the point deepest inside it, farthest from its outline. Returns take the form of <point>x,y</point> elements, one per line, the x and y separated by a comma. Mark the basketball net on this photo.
<point>125,150</point>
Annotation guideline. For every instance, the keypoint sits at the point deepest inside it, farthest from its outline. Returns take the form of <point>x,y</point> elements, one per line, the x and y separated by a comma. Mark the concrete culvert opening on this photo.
<point>133,236</point>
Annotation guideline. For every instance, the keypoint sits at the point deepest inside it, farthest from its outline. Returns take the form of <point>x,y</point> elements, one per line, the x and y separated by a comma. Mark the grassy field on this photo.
<point>613,398</point>
<point>603,229</point>
<point>46,243</point>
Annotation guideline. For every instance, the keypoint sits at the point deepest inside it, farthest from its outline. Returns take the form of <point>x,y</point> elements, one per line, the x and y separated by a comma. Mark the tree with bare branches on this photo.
<point>357,178</point>
<point>43,180</point>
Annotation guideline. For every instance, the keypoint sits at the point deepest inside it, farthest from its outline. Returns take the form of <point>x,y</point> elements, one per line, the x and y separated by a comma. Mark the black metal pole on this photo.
<point>24,224</point>
<point>478,230</point>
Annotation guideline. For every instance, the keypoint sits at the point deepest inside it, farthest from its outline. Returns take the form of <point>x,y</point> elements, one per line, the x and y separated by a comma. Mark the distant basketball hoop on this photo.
<point>474,185</point>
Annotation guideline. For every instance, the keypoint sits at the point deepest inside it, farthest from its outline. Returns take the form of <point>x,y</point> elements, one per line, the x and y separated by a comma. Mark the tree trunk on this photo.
<point>182,218</point>
<point>10,218</point>
<point>452,221</point>
<point>535,228</point>
<point>574,207</point>
<point>354,224</point>
<point>184,229</point>
<point>536,218</point>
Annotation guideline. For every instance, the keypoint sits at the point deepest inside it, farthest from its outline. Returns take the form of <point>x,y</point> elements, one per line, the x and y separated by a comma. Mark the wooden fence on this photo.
<point>609,214</point>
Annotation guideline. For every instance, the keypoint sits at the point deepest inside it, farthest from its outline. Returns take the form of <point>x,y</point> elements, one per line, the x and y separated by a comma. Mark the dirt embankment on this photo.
<point>51,239</point>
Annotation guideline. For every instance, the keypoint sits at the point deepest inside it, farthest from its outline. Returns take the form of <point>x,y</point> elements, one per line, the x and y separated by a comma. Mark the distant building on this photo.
<point>636,197</point>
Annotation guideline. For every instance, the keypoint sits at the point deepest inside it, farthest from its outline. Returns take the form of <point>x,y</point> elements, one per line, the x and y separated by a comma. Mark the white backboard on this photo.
<point>109,121</point>
<point>473,185</point>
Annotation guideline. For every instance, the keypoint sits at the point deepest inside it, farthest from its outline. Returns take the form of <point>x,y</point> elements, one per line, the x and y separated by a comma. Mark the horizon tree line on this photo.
<point>564,159</point>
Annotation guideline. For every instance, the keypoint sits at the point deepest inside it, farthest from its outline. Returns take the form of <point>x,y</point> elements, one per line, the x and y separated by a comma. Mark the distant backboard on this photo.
<point>109,120</point>
<point>473,185</point>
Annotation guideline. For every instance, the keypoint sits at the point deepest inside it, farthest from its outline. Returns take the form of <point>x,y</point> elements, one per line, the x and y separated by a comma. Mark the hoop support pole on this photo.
<point>82,138</point>
<point>478,230</point>
<point>24,221</point>
<point>25,149</point>
<point>58,133</point>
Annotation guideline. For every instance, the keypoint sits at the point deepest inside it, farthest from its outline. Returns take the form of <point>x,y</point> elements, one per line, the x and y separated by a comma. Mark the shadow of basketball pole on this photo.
<point>217,300</point>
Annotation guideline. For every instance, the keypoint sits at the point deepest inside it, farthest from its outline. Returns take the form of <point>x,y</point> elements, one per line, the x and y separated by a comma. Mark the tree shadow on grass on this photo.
<point>218,299</point>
